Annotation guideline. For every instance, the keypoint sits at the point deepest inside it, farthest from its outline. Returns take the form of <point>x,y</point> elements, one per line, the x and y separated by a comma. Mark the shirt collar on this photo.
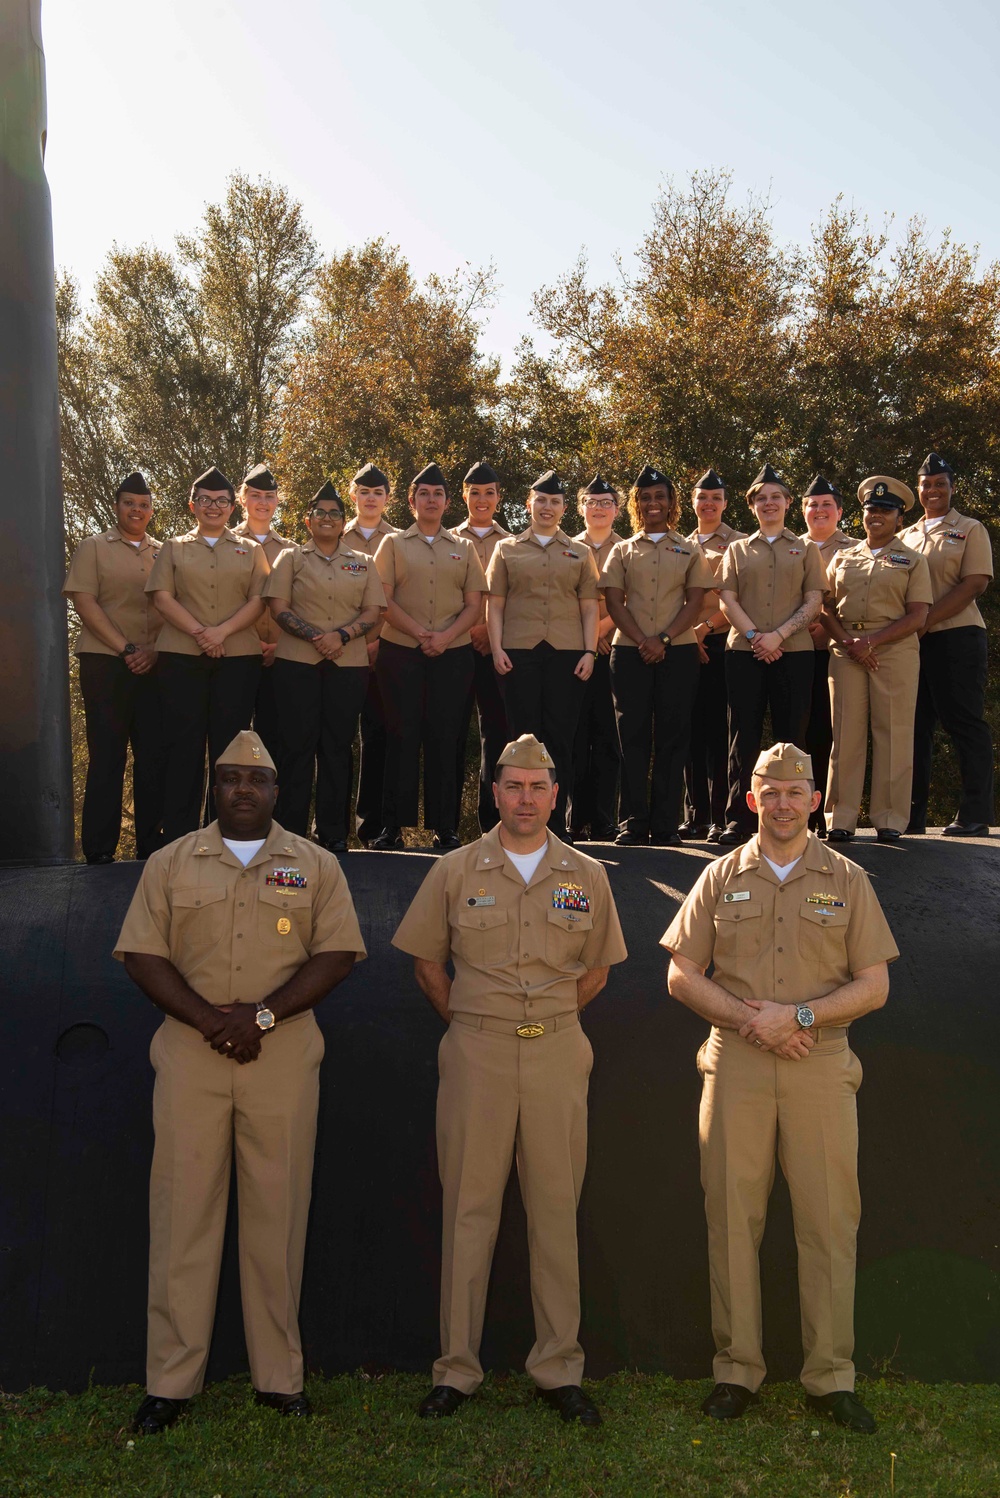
<point>114,534</point>
<point>246,529</point>
<point>383,528</point>
<point>814,858</point>
<point>443,534</point>
<point>528,535</point>
<point>556,855</point>
<point>209,844</point>
<point>310,546</point>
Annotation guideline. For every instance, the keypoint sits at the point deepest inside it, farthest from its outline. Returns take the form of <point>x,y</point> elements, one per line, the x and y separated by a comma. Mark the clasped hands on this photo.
<point>142,659</point>
<point>775,1028</point>
<point>861,651</point>
<point>211,639</point>
<point>766,646</point>
<point>232,1030</point>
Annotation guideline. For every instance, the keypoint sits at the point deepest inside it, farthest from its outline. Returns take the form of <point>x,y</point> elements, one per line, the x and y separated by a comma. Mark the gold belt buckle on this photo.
<point>529,1032</point>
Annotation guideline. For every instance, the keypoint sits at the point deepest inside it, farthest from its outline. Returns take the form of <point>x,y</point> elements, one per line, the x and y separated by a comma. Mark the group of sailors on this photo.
<point>646,664</point>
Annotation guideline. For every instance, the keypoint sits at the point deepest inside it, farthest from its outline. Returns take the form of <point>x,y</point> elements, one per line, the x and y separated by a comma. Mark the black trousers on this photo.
<point>543,697</point>
<point>424,698</point>
<point>120,708</point>
<point>318,709</point>
<point>706,777</point>
<point>487,700</point>
<point>596,756</point>
<point>371,777</point>
<point>953,665</point>
<point>819,731</point>
<point>653,707</point>
<point>265,711</point>
<point>205,703</point>
<point>786,689</point>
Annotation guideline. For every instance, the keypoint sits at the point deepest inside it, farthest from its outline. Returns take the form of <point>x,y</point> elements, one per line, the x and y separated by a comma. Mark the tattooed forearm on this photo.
<point>802,616</point>
<point>293,625</point>
<point>364,627</point>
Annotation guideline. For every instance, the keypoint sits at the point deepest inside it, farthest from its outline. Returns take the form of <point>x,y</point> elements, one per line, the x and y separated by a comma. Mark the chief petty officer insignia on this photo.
<point>570,897</point>
<point>286,878</point>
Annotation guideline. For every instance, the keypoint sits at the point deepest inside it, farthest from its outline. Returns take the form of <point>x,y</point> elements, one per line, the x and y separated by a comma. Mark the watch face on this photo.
<point>265,1019</point>
<point>805,1016</point>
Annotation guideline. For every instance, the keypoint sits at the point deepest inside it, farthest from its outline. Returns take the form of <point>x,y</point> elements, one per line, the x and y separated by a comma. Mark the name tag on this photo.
<point>739,894</point>
<point>481,900</point>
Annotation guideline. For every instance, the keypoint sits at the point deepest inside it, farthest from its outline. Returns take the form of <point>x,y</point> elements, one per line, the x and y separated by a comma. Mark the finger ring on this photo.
<point>229,1045</point>
<point>757,1042</point>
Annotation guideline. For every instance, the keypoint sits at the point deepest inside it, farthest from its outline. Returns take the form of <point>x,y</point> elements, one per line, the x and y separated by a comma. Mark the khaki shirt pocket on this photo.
<point>274,907</point>
<point>738,932</point>
<point>566,933</point>
<point>822,932</point>
<point>482,935</point>
<point>199,915</point>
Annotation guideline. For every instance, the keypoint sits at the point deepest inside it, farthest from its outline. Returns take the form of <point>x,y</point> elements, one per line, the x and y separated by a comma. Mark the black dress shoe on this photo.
<point>442,1400</point>
<point>391,838</point>
<point>887,835</point>
<point>727,1402</point>
<point>839,835</point>
<point>733,837</point>
<point>714,833</point>
<point>338,845</point>
<point>967,829</point>
<point>632,840</point>
<point>916,829</point>
<point>845,1408</point>
<point>96,858</point>
<point>668,840</point>
<point>446,841</point>
<point>572,1404</point>
<point>693,831</point>
<point>285,1404</point>
<point>604,834</point>
<point>155,1414</point>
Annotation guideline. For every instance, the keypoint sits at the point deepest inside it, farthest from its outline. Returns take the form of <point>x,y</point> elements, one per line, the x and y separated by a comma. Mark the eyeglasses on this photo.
<point>330,514</point>
<point>212,502</point>
<point>600,504</point>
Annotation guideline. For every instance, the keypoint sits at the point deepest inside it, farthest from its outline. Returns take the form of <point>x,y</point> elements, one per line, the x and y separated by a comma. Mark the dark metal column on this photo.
<point>36,807</point>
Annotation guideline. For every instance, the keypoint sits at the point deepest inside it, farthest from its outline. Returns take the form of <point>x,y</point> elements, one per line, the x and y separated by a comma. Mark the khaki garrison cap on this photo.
<point>246,749</point>
<point>784,762</point>
<point>881,487</point>
<point>526,753</point>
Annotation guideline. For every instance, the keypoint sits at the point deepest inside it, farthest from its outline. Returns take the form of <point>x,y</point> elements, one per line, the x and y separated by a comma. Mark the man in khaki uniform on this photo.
<point>369,493</point>
<point>258,494</point>
<point>481,493</point>
<point>953,653</point>
<point>532,929</point>
<point>236,933</point>
<point>800,949</point>
<point>822,511</point>
<point>116,651</point>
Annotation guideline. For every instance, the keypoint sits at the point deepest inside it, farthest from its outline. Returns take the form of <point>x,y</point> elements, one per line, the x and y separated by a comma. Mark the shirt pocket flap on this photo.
<point>284,899</point>
<point>481,917</point>
<point>189,899</point>
<point>824,915</point>
<point>571,920</point>
<point>738,909</point>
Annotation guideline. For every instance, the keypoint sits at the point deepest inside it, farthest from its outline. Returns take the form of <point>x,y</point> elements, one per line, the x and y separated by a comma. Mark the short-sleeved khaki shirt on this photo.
<point>786,943</point>
<point>327,592</point>
<point>236,934</point>
<point>713,549</point>
<point>600,554</point>
<point>828,549</point>
<point>770,580</point>
<point>543,587</point>
<point>429,582</point>
<point>518,949</point>
<point>353,537</point>
<point>655,576</point>
<point>869,592</point>
<point>212,583</point>
<point>485,547</point>
<point>115,572</point>
<point>958,547</point>
<point>268,631</point>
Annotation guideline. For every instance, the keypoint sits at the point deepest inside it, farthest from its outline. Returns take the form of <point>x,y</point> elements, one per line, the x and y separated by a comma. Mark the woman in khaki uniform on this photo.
<point>654,584</point>
<point>208,586</point>
<point>433,583</point>
<point>543,618</point>
<point>325,600</point>
<point>258,497</point>
<point>596,752</point>
<point>879,593</point>
<point>771,590</point>
<point>116,650</point>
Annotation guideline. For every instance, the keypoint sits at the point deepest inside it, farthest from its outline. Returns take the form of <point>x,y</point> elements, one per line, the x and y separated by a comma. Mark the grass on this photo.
<point>366,1440</point>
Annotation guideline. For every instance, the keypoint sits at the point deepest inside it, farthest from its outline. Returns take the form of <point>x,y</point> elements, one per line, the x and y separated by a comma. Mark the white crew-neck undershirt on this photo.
<point>770,539</point>
<point>781,869</point>
<point>656,536</point>
<point>702,539</point>
<point>136,544</point>
<point>930,524</point>
<point>211,540</point>
<point>477,530</point>
<point>543,540</point>
<point>366,532</point>
<point>244,850</point>
<point>527,863</point>
<point>431,539</point>
<point>262,538</point>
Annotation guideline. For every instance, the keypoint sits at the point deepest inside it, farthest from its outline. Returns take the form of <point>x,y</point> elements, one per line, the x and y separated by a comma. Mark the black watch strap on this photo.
<point>130,649</point>
<point>344,636</point>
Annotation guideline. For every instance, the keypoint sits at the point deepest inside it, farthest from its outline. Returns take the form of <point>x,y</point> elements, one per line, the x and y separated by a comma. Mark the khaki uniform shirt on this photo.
<point>236,934</point>
<point>115,572</point>
<point>828,550</point>
<point>600,555</point>
<point>543,586</point>
<point>958,547</point>
<point>212,583</point>
<point>713,550</point>
<point>429,582</point>
<point>869,592</point>
<point>771,580</point>
<point>518,949</point>
<point>268,630</point>
<point>327,592</point>
<point>787,943</point>
<point>485,547</point>
<point>655,575</point>
<point>353,538</point>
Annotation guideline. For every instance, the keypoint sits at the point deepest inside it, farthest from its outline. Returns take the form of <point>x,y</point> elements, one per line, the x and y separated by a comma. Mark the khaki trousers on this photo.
<point>204,1108</point>
<point>888,697</point>
<point>499,1096</point>
<point>752,1105</point>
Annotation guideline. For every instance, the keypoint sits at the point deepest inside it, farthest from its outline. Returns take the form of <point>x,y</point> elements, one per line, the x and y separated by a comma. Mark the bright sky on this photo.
<point>521,131</point>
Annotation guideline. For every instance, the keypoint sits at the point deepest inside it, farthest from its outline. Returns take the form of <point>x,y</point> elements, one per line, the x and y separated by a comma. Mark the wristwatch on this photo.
<point>805,1016</point>
<point>264,1018</point>
<point>750,635</point>
<point>130,649</point>
<point>665,639</point>
<point>344,636</point>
